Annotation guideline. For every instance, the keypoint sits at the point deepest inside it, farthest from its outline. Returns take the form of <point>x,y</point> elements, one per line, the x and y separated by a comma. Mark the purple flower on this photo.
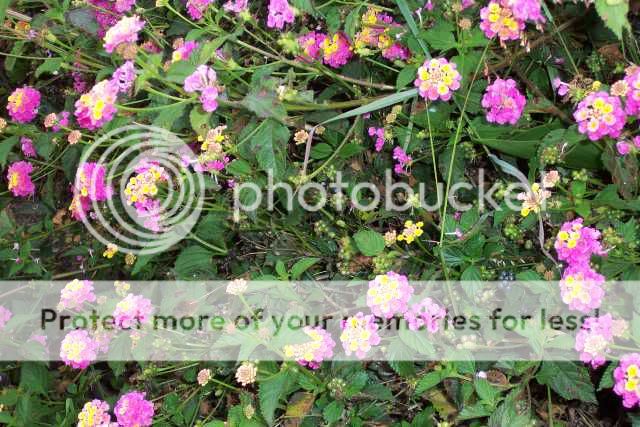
<point>280,13</point>
<point>124,76</point>
<point>133,410</point>
<point>427,313</point>
<point>503,102</point>
<point>389,294</point>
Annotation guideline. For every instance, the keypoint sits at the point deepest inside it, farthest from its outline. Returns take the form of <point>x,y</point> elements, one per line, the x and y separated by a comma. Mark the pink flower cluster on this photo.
<point>497,19</point>
<point>624,147</point>
<point>56,121</point>
<point>237,6</point>
<point>19,179</point>
<point>280,13</point>
<point>437,79</point>
<point>90,186</point>
<point>132,311</point>
<point>141,190</point>
<point>389,294</point>
<point>94,414</point>
<point>503,102</point>
<point>78,349</point>
<point>336,50</point>
<point>632,96</point>
<point>27,148</point>
<point>594,338</point>
<point>526,10</point>
<point>375,33</point>
<point>204,81</point>
<point>212,157</point>
<point>359,334</point>
<point>427,313</point>
<point>311,46</point>
<point>196,8</point>
<point>600,115</point>
<point>403,161</point>
<point>23,104</point>
<point>5,316</point>
<point>312,353</point>
<point>75,294</point>
<point>106,15</point>
<point>575,243</point>
<point>379,135</point>
<point>125,31</point>
<point>627,380</point>
<point>133,410</point>
<point>183,51</point>
<point>97,107</point>
<point>124,76</point>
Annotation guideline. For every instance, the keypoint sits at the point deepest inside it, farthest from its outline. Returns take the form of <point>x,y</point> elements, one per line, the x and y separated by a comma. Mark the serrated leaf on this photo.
<point>48,66</point>
<point>271,391</point>
<point>406,76</point>
<point>614,15</point>
<point>301,266</point>
<point>569,380</point>
<point>369,242</point>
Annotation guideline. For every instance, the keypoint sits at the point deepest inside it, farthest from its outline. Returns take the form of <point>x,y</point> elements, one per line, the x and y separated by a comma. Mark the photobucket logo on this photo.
<point>157,197</point>
<point>392,195</point>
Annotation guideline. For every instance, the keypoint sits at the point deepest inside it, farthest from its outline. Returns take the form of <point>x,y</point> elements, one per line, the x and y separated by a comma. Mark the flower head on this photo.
<point>183,52</point>
<point>427,313</point>
<point>311,46</point>
<point>313,352</point>
<point>526,10</point>
<point>593,340</point>
<point>246,373</point>
<point>94,414</point>
<point>212,157</point>
<point>124,31</point>
<point>632,96</point>
<point>389,294</point>
<point>132,311</point>
<point>204,376</point>
<point>133,410</point>
<point>411,231</point>
<point>204,81</point>
<point>97,107</point>
<point>576,243</point>
<point>280,13</point>
<point>581,288</point>
<point>359,334</point>
<point>403,161</point>
<point>124,76</point>
<point>23,104</point>
<point>196,8</point>
<point>600,115</point>
<point>499,20</point>
<point>26,145</point>
<point>336,50</point>
<point>627,380</point>
<point>237,6</point>
<point>19,179</point>
<point>237,287</point>
<point>503,102</point>
<point>78,349</point>
<point>75,294</point>
<point>437,79</point>
<point>5,316</point>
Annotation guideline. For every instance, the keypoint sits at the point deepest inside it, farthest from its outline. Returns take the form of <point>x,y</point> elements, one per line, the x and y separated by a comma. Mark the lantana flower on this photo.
<point>133,410</point>
<point>632,96</point>
<point>376,34</point>
<point>27,148</point>
<point>310,45</point>
<point>75,294</point>
<point>437,79</point>
<point>627,380</point>
<point>90,186</point>
<point>280,13</point>
<point>183,50</point>
<point>403,161</point>
<point>359,334</point>
<point>380,135</point>
<point>237,6</point>
<point>576,243</point>
<point>336,50</point>
<point>19,179</point>
<point>312,353</point>
<point>212,157</point>
<point>132,311</point>
<point>499,20</point>
<point>595,337</point>
<point>503,102</point>
<point>389,294</point>
<point>425,314</point>
<point>600,115</point>
<point>5,316</point>
<point>124,31</point>
<point>526,10</point>
<point>141,191</point>
<point>23,104</point>
<point>94,414</point>
<point>204,81</point>
<point>78,349</point>
<point>124,76</point>
<point>581,288</point>
<point>196,8</point>
<point>97,107</point>
<point>411,231</point>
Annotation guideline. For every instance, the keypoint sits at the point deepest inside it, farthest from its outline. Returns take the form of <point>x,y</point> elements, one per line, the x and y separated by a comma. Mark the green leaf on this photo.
<point>369,242</point>
<point>301,266</point>
<point>406,76</point>
<point>378,104</point>
<point>178,71</point>
<point>48,66</point>
<point>607,380</point>
<point>321,151</point>
<point>614,14</point>
<point>4,4</point>
<point>268,145</point>
<point>569,380</point>
<point>333,412</point>
<point>239,167</point>
<point>429,381</point>
<point>5,149</point>
<point>440,37</point>
<point>34,377</point>
<point>194,262</point>
<point>263,100</point>
<point>271,391</point>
